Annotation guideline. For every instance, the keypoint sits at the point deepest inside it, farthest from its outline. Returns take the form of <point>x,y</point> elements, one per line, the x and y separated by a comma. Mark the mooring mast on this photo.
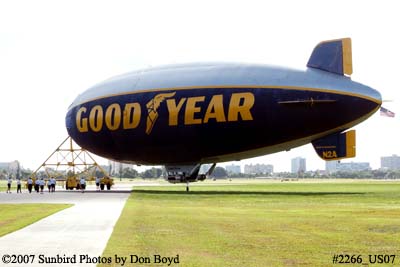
<point>69,159</point>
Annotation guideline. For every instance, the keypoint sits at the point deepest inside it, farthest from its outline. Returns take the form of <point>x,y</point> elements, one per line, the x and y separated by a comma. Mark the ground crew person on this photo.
<point>41,183</point>
<point>9,181</point>
<point>19,186</point>
<point>102,183</point>
<point>37,185</point>
<point>53,184</point>
<point>49,185</point>
<point>83,184</point>
<point>97,183</point>
<point>30,183</point>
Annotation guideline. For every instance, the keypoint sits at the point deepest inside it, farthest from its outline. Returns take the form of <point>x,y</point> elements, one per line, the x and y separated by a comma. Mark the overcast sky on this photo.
<point>50,51</point>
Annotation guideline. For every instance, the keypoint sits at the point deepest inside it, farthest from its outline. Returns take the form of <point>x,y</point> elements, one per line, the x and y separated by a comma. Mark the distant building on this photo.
<point>114,167</point>
<point>391,162</point>
<point>266,169</point>
<point>335,166</point>
<point>233,169</point>
<point>331,166</point>
<point>10,167</point>
<point>298,165</point>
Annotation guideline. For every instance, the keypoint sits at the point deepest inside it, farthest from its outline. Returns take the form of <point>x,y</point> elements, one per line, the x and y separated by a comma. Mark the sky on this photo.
<point>50,51</point>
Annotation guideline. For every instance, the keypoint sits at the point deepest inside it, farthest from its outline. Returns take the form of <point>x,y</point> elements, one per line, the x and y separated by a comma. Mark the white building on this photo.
<point>9,167</point>
<point>258,169</point>
<point>391,162</point>
<point>117,167</point>
<point>298,165</point>
<point>335,166</point>
<point>233,169</point>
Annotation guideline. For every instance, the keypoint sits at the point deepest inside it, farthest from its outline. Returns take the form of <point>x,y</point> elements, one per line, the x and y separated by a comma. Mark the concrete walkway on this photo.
<point>83,229</point>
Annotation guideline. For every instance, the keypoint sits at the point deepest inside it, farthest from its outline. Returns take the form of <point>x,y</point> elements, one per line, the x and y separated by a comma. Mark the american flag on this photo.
<point>387,113</point>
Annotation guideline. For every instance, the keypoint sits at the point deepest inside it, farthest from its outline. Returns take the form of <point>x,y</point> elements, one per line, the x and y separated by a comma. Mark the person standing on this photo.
<point>97,183</point>
<point>37,185</point>
<point>49,185</point>
<point>53,184</point>
<point>41,183</point>
<point>9,181</point>
<point>19,186</point>
<point>83,184</point>
<point>30,184</point>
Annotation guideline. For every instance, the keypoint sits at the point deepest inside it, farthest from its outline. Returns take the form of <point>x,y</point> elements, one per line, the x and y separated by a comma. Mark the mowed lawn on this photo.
<point>266,224</point>
<point>16,216</point>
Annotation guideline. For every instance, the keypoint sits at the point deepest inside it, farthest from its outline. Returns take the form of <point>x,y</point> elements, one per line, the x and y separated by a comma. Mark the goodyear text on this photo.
<point>189,110</point>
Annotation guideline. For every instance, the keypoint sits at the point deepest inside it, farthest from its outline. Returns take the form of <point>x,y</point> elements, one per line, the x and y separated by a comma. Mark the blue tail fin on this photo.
<point>336,146</point>
<point>333,56</point>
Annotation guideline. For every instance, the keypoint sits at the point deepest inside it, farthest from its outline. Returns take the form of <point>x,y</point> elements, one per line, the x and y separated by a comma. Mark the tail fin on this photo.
<point>333,56</point>
<point>336,146</point>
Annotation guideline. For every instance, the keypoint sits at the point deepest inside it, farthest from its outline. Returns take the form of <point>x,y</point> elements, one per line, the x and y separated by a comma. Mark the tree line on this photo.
<point>220,172</point>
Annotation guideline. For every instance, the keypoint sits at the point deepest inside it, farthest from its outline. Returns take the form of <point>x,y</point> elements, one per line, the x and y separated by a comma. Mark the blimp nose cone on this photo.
<point>69,121</point>
<point>367,93</point>
<point>374,95</point>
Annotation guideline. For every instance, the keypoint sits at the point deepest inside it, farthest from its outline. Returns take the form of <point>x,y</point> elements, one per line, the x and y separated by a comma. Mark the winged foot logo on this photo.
<point>152,107</point>
<point>185,110</point>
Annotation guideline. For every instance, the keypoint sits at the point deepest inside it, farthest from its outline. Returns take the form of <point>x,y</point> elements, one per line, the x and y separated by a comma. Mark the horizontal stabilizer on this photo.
<point>333,56</point>
<point>336,146</point>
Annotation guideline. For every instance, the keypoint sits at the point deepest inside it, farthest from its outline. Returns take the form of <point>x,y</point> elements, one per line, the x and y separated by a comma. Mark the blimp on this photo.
<point>191,115</point>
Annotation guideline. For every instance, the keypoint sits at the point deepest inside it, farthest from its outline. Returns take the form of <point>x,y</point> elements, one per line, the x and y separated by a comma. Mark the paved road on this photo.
<point>83,229</point>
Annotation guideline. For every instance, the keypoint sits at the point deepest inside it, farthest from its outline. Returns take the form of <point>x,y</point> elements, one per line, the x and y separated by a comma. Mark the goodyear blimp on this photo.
<point>184,116</point>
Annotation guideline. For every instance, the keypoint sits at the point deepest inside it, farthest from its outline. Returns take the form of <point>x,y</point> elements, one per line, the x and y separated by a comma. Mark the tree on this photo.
<point>219,172</point>
<point>99,173</point>
<point>25,173</point>
<point>129,173</point>
<point>152,173</point>
<point>18,171</point>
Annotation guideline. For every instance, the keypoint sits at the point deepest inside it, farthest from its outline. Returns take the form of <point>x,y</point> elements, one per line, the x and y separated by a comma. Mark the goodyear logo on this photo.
<point>152,107</point>
<point>116,117</point>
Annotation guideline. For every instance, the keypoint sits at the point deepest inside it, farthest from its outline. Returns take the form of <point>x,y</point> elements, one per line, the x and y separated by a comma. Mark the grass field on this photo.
<point>16,216</point>
<point>266,224</point>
